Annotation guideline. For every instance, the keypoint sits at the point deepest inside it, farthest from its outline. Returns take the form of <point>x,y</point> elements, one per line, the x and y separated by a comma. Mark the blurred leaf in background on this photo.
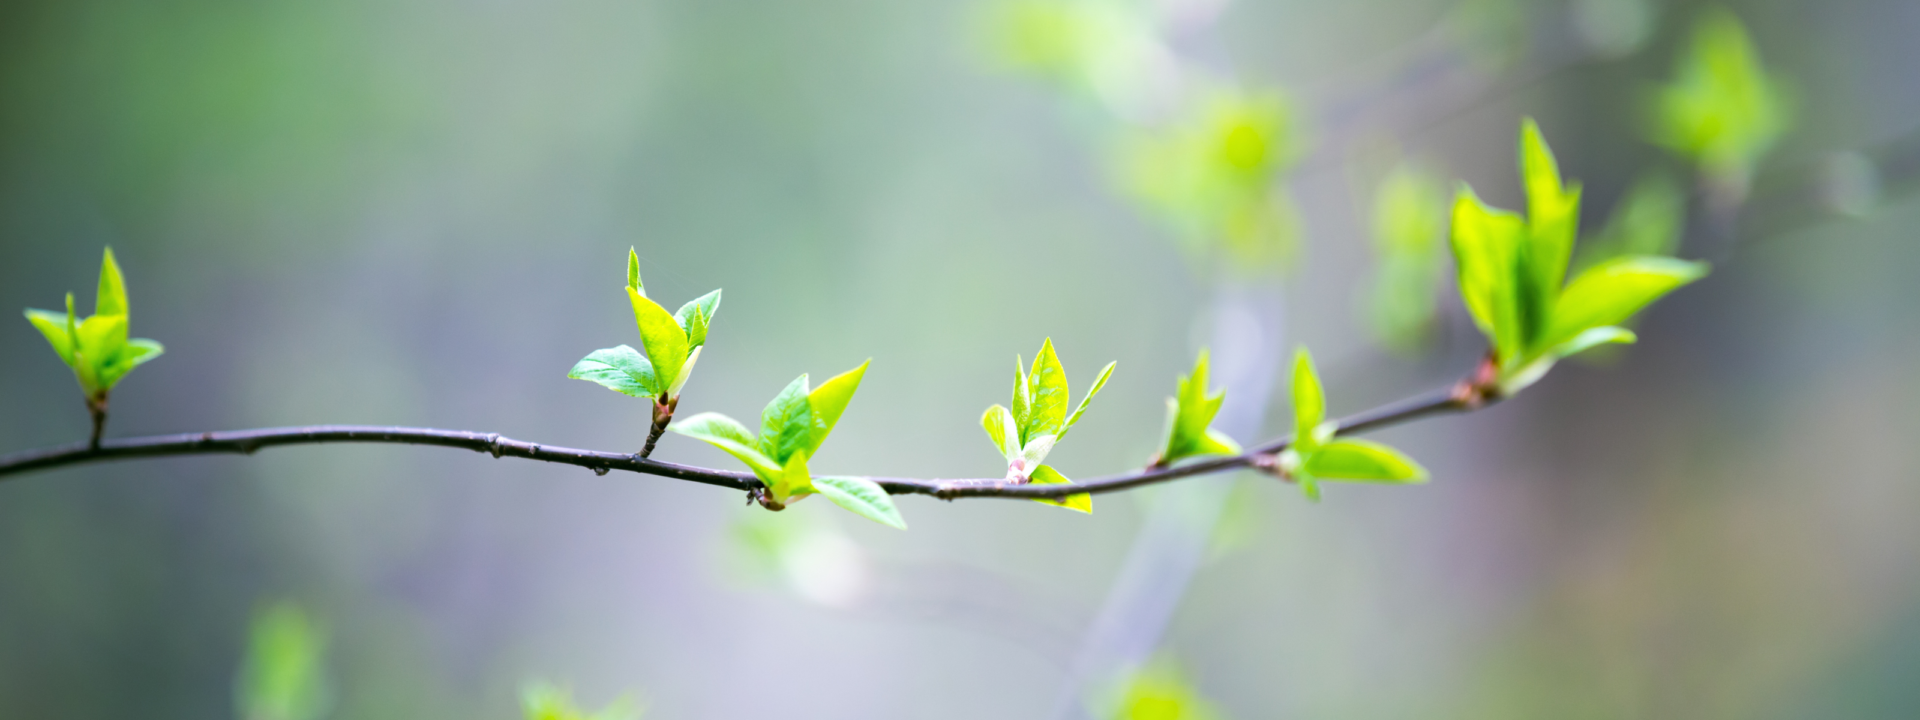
<point>1722,111</point>
<point>284,675</point>
<point>546,701</point>
<point>1214,173</point>
<point>1102,49</point>
<point>1159,691</point>
<point>1409,222</point>
<point>1646,221</point>
<point>803,550</point>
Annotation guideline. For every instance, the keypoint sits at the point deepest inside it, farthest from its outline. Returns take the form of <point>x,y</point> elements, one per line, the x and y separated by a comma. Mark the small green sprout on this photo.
<point>673,343</point>
<point>1038,421</point>
<point>791,430</point>
<point>1721,111</point>
<point>1513,270</point>
<point>1189,417</point>
<point>97,348</point>
<point>1317,455</point>
<point>545,701</point>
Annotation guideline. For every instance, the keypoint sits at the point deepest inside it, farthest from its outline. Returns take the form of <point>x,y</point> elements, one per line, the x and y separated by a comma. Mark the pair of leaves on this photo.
<point>544,701</point>
<point>1316,454</point>
<point>1038,421</point>
<point>1190,418</point>
<point>672,341</point>
<point>1513,274</point>
<point>1722,110</point>
<point>792,427</point>
<point>97,348</point>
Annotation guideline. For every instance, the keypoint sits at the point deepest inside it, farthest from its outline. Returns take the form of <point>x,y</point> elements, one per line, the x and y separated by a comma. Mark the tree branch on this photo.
<point>1458,398</point>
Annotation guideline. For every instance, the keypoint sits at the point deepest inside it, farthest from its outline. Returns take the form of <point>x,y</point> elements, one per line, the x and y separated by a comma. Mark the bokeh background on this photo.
<point>416,212</point>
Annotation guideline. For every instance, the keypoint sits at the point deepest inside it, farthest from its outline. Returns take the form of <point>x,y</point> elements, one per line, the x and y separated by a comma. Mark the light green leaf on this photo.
<point>728,434</point>
<point>1353,460</point>
<point>1722,110</point>
<point>1215,442</point>
<point>633,273</point>
<point>111,298</point>
<point>284,673</point>
<point>1611,292</point>
<point>1190,413</point>
<point>1647,221</point>
<point>686,373</point>
<point>786,425</point>
<point>697,315</point>
<point>1022,397</point>
<point>1309,401</point>
<point>830,400</point>
<point>1048,386</point>
<point>1486,246</point>
<point>53,325</point>
<point>1098,382</point>
<point>665,341</point>
<point>138,352</point>
<point>1000,427</point>
<point>1593,337</point>
<point>103,338</point>
<point>1553,214</point>
<point>864,497</point>
<point>1036,450</point>
<point>794,479</point>
<point>1046,475</point>
<point>620,369</point>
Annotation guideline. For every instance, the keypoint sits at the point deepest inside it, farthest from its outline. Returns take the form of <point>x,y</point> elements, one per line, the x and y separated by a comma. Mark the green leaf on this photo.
<point>1046,475</point>
<point>102,340</point>
<point>633,272</point>
<point>665,342</point>
<point>1099,381</point>
<point>1647,221</point>
<point>1486,247</point>
<point>786,425</point>
<point>1593,337</point>
<point>728,434</point>
<point>1036,450</point>
<point>830,400</point>
<point>111,298</point>
<point>1611,292</point>
<point>138,352</point>
<point>1354,460</point>
<point>697,315</point>
<point>1553,214</point>
<point>1190,412</point>
<point>864,497</point>
<point>1722,110</point>
<point>53,325</point>
<point>794,479</point>
<point>686,373</point>
<point>620,369</point>
<point>1000,427</point>
<point>1309,401</point>
<point>1047,385</point>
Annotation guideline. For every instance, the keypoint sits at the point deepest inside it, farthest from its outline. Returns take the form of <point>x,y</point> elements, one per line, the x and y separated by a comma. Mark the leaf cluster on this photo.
<point>1316,454</point>
<point>97,347</point>
<point>792,427</point>
<point>1025,434</point>
<point>1190,414</point>
<point>1512,274</point>
<point>672,340</point>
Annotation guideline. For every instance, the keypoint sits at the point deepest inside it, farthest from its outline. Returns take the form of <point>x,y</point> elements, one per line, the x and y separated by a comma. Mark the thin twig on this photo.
<point>247,441</point>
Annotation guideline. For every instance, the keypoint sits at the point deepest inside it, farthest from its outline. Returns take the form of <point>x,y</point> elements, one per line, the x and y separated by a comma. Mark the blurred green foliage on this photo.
<point>1215,172</point>
<point>284,675</point>
<point>1160,691</point>
<point>1647,221</point>
<point>1099,49</point>
<point>545,701</point>
<point>1409,224</point>
<point>1722,111</point>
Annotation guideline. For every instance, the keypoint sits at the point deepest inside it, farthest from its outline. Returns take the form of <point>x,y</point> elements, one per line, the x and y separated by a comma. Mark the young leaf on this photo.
<point>1309,401</point>
<point>786,425</point>
<point>137,353</point>
<point>620,369</point>
<point>665,341</point>
<point>1099,381</point>
<point>1022,398</point>
<point>863,497</point>
<point>1593,337</point>
<point>1190,413</point>
<point>1611,292</point>
<point>1354,460</point>
<point>633,272</point>
<point>1553,214</point>
<point>830,400</point>
<point>1046,475</point>
<point>1000,427</point>
<point>697,315</point>
<point>111,298</point>
<point>794,479</point>
<point>1647,221</point>
<point>1486,247</point>
<point>1036,450</point>
<point>1722,110</point>
<point>53,325</point>
<point>728,434</point>
<point>686,372</point>
<point>1048,383</point>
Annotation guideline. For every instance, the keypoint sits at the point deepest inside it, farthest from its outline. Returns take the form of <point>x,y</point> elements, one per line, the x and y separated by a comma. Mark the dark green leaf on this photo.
<point>786,425</point>
<point>620,369</point>
<point>863,497</point>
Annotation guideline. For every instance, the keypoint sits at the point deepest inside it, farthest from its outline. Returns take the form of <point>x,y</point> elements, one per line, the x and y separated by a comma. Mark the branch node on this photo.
<point>493,444</point>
